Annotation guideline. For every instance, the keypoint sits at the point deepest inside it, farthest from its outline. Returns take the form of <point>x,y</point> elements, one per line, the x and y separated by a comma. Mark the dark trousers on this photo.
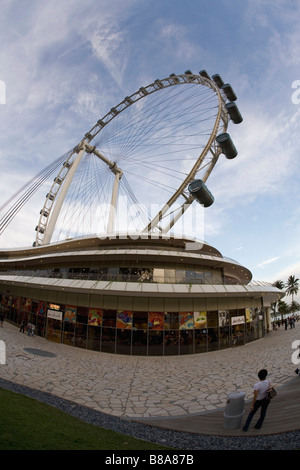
<point>263,404</point>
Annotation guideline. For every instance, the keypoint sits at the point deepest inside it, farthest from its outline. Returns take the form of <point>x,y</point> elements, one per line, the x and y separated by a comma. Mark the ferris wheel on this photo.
<point>156,148</point>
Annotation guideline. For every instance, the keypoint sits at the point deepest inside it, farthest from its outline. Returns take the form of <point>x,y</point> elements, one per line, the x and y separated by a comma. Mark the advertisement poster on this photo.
<point>248,315</point>
<point>54,314</point>
<point>95,316</point>
<point>223,318</point>
<point>27,306</point>
<point>19,303</point>
<point>156,320</point>
<point>42,308</point>
<point>186,320</point>
<point>200,320</point>
<point>237,320</point>
<point>70,314</point>
<point>124,319</point>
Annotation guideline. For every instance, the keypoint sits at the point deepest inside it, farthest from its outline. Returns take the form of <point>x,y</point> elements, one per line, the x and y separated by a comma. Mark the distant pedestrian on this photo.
<point>1,319</point>
<point>22,326</point>
<point>260,399</point>
<point>32,329</point>
<point>29,328</point>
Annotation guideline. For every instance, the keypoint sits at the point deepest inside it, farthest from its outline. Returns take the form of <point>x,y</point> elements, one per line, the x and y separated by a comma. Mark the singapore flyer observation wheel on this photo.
<point>144,162</point>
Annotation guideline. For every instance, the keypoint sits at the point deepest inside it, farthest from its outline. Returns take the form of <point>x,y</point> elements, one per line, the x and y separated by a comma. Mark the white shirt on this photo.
<point>262,386</point>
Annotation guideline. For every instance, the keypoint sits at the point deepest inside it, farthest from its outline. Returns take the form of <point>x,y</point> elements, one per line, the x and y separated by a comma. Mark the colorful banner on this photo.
<point>186,320</point>
<point>70,314</point>
<point>42,308</point>
<point>95,316</point>
<point>124,319</point>
<point>27,306</point>
<point>156,320</point>
<point>248,315</point>
<point>200,320</point>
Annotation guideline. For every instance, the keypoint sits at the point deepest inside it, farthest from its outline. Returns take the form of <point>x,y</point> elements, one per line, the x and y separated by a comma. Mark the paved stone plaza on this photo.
<point>143,387</point>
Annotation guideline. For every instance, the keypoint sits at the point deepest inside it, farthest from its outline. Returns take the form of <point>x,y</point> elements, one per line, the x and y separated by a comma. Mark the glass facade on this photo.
<point>164,274</point>
<point>147,333</point>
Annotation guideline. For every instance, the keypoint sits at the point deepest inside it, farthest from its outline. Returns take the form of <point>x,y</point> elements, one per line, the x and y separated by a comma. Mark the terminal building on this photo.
<point>135,295</point>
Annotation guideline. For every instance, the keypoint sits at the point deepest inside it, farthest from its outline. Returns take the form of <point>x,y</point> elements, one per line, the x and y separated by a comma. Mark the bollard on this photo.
<point>234,411</point>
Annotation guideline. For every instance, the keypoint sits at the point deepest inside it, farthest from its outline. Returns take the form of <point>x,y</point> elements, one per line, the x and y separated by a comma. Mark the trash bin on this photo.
<point>234,411</point>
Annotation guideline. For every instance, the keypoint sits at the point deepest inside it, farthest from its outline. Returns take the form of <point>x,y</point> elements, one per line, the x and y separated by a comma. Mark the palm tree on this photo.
<point>283,308</point>
<point>280,285</point>
<point>292,286</point>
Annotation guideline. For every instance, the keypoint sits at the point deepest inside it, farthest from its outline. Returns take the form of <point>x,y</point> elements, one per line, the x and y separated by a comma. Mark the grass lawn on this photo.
<point>27,424</point>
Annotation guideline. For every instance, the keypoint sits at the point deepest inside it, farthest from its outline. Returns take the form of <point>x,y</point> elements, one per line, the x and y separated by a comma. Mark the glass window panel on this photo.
<point>109,318</point>
<point>158,275</point>
<point>155,343</point>
<point>68,333</point>
<point>139,342</point>
<point>224,337</point>
<point>180,275</point>
<point>212,318</point>
<point>123,341</point>
<point>54,330</point>
<point>186,341</point>
<point>171,320</point>
<point>140,320</point>
<point>171,342</point>
<point>93,339</point>
<point>213,339</point>
<point>108,340</point>
<point>170,275</point>
<point>238,335</point>
<point>80,335</point>
<point>200,340</point>
<point>82,315</point>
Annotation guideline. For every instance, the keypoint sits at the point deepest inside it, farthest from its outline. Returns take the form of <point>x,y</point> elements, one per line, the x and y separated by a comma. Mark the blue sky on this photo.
<point>65,63</point>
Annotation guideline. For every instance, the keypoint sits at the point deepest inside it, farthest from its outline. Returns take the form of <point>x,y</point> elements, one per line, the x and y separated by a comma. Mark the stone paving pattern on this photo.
<point>144,387</point>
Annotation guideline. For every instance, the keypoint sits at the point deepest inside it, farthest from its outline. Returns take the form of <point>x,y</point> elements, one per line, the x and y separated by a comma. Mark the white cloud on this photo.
<point>268,261</point>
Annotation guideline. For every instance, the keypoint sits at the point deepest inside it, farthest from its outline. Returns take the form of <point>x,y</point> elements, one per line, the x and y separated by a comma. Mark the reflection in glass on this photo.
<point>139,342</point>
<point>94,336</point>
<point>155,344</point>
<point>108,340</point>
<point>171,342</point>
<point>213,339</point>
<point>171,321</point>
<point>68,333</point>
<point>80,335</point>
<point>186,341</point>
<point>123,341</point>
<point>200,341</point>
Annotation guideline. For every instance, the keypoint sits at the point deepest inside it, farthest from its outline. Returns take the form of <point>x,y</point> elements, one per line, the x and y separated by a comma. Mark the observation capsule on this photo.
<point>234,112</point>
<point>229,92</point>
<point>227,146</point>
<point>190,75</point>
<point>218,80</point>
<point>204,74</point>
<point>200,192</point>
